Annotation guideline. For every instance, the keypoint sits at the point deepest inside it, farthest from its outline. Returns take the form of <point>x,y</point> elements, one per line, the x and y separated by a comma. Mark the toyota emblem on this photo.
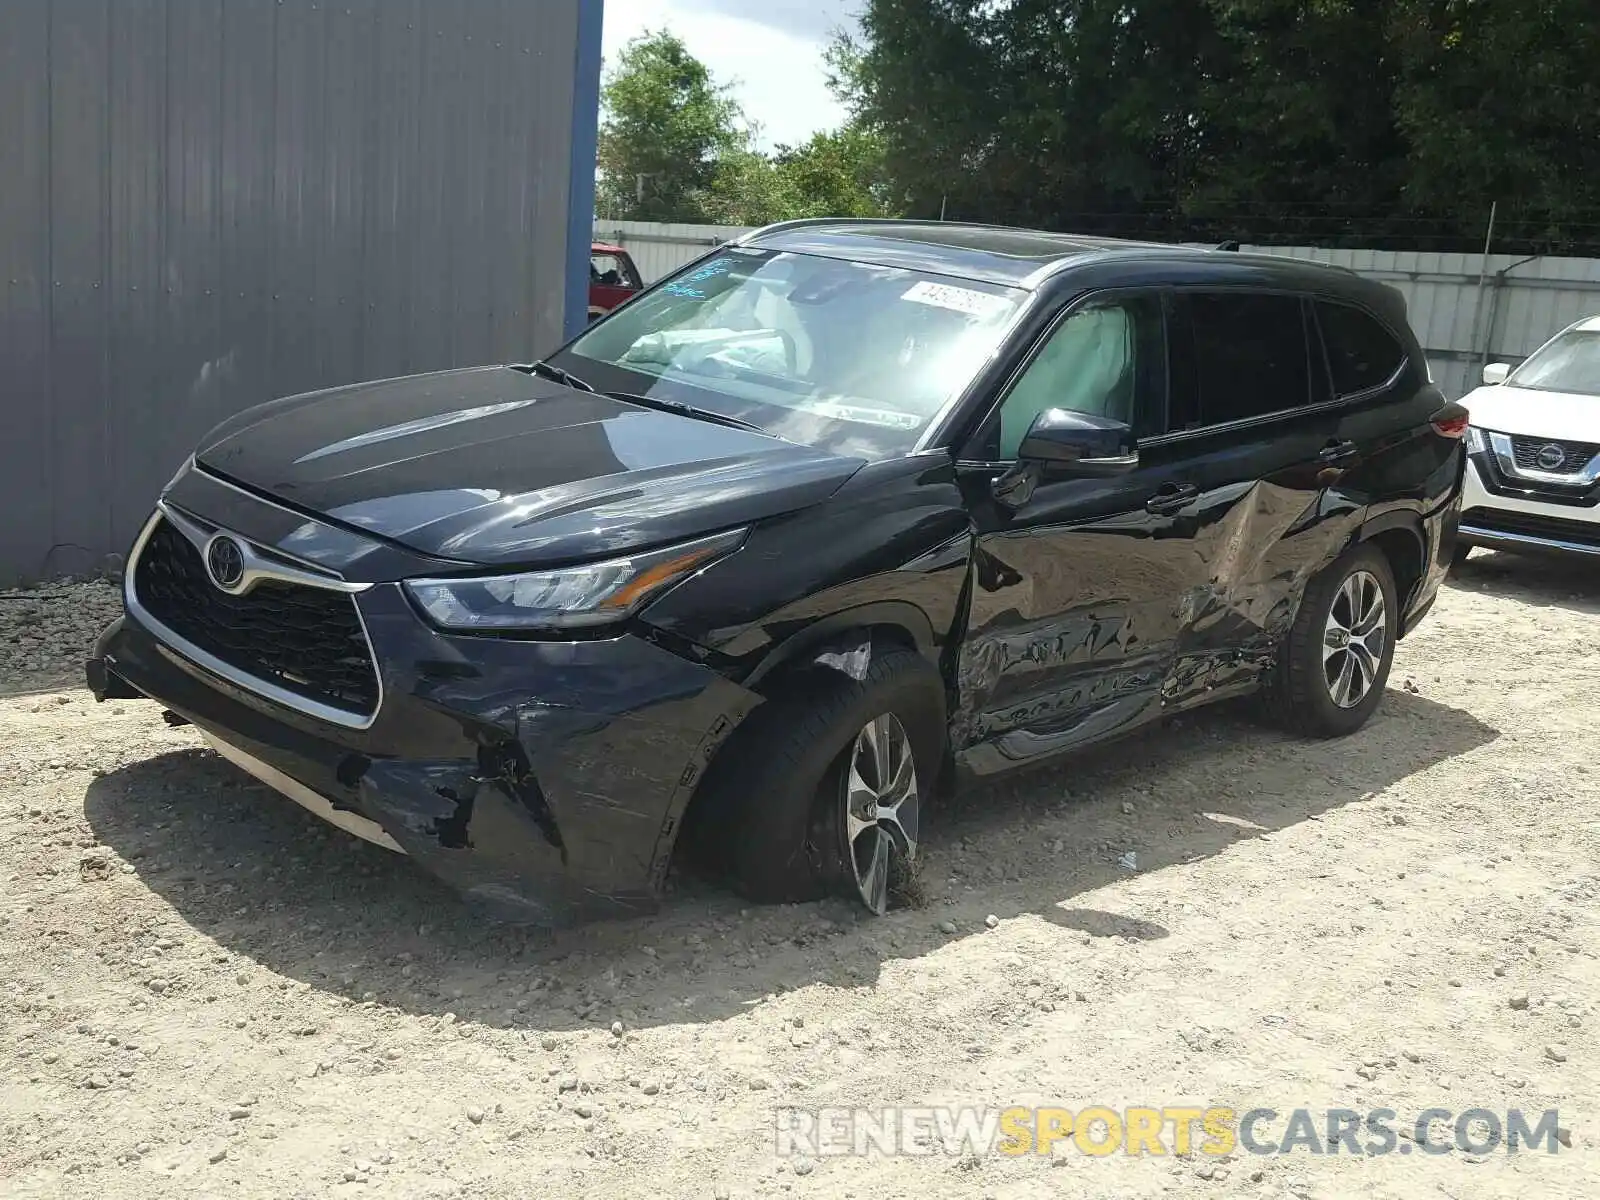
<point>225,563</point>
<point>1551,457</point>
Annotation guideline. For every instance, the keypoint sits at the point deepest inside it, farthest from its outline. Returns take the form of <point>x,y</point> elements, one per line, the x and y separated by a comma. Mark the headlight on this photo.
<point>1477,442</point>
<point>567,597</point>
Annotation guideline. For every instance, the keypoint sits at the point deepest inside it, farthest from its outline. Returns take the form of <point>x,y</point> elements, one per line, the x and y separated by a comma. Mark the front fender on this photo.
<point>890,551</point>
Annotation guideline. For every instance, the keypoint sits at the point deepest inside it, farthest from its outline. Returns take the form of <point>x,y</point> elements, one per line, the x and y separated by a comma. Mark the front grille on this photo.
<point>306,640</point>
<point>1570,492</point>
<point>1499,520</point>
<point>1575,456</point>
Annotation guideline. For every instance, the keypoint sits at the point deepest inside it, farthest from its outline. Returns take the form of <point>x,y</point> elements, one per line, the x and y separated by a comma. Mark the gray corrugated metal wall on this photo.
<point>1468,309</point>
<point>209,203</point>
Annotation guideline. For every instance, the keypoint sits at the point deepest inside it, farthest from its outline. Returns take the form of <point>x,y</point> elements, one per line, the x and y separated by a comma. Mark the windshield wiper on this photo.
<point>560,374</point>
<point>687,410</point>
<point>547,370</point>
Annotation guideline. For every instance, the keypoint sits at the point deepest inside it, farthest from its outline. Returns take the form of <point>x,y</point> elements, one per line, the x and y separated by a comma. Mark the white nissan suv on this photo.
<point>1533,472</point>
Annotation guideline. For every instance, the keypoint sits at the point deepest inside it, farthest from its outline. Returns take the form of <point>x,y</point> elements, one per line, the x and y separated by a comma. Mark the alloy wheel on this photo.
<point>882,806</point>
<point>1353,641</point>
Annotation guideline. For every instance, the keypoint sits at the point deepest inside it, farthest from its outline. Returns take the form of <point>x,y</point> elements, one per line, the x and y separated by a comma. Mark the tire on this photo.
<point>774,808</point>
<point>1302,691</point>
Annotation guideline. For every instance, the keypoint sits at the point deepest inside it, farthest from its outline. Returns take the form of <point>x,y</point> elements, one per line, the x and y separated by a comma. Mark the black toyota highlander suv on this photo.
<point>835,509</point>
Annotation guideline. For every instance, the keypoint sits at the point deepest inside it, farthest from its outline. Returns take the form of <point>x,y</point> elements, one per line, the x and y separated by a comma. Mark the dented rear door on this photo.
<point>1251,415</point>
<point>1260,528</point>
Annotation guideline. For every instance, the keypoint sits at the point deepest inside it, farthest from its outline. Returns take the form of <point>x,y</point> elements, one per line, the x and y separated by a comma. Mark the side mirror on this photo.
<point>1080,443</point>
<point>1495,373</point>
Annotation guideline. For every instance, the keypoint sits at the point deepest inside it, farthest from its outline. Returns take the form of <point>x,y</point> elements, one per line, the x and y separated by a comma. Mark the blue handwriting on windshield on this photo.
<point>686,286</point>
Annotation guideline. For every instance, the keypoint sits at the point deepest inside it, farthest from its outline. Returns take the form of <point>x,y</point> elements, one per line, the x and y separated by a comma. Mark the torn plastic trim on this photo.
<point>854,660</point>
<point>319,805</point>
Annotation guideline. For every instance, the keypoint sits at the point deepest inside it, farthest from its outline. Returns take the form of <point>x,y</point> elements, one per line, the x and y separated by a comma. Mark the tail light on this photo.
<point>1451,421</point>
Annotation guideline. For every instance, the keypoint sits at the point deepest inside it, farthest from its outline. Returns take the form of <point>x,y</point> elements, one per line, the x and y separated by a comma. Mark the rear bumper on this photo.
<point>545,780</point>
<point>1439,534</point>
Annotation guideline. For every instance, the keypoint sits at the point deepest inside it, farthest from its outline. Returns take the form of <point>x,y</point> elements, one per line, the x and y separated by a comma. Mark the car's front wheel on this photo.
<point>824,789</point>
<point>1333,667</point>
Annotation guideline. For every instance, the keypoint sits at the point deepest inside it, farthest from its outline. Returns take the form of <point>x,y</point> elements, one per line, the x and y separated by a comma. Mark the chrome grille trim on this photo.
<point>1500,446</point>
<point>239,678</point>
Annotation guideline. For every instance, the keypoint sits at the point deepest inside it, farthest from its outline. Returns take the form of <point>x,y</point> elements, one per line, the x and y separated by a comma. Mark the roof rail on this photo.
<point>802,223</point>
<point>810,222</point>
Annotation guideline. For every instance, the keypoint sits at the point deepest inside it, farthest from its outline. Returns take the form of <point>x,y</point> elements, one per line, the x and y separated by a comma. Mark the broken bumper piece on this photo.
<point>544,781</point>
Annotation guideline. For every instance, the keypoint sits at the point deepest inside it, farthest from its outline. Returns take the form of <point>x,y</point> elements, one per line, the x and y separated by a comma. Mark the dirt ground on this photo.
<point>204,991</point>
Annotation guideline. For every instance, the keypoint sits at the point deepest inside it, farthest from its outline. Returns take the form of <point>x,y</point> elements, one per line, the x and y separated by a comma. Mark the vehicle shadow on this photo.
<point>269,881</point>
<point>1564,581</point>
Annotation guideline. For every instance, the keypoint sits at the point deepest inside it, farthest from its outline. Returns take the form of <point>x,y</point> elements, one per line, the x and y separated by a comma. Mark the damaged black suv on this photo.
<point>765,552</point>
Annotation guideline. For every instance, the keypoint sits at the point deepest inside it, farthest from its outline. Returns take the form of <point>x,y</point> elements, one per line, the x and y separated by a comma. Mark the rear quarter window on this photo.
<point>1362,354</point>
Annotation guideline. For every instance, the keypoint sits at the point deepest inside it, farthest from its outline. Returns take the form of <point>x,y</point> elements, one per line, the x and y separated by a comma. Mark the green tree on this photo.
<point>1500,101</point>
<point>747,188</point>
<point>1022,111</point>
<point>1296,116</point>
<point>666,129</point>
<point>1296,119</point>
<point>842,173</point>
<point>674,146</point>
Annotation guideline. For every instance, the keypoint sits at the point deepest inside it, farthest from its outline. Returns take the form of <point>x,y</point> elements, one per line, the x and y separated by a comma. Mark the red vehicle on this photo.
<point>613,279</point>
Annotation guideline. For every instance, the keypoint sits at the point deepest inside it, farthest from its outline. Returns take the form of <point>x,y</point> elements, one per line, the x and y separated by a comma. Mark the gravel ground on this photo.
<point>46,634</point>
<point>203,991</point>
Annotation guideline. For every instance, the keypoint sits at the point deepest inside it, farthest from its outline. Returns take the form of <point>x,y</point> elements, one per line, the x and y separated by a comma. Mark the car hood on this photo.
<point>493,466</point>
<point>1568,416</point>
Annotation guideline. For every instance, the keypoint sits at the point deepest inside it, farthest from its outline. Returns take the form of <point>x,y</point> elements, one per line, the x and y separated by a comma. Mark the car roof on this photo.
<point>1025,258</point>
<point>605,248</point>
<point>1588,324</point>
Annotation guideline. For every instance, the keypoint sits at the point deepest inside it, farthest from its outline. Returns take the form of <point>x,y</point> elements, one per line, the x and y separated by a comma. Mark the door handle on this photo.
<point>1170,498</point>
<point>1338,451</point>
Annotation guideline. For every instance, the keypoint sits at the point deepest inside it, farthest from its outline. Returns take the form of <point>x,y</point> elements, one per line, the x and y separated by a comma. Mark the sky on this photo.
<point>769,50</point>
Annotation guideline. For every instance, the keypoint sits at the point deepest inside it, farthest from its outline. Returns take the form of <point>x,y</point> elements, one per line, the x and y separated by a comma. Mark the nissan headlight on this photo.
<point>1477,440</point>
<point>566,597</point>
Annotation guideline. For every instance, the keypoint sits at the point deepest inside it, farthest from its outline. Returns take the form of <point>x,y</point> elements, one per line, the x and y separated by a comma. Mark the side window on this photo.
<point>605,270</point>
<point>1250,356</point>
<point>1362,354</point>
<point>628,274</point>
<point>1107,359</point>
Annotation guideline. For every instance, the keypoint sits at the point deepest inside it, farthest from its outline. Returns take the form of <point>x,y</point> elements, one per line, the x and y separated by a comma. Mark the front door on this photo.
<point>1074,618</point>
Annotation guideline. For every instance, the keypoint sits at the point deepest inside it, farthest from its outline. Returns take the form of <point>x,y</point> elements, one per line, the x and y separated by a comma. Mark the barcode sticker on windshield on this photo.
<point>957,299</point>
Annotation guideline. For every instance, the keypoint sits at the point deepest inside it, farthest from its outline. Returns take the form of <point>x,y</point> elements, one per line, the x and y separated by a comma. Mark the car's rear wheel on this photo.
<point>1334,664</point>
<point>823,790</point>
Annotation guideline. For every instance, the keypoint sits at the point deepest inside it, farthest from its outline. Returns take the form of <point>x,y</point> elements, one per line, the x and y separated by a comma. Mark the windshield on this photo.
<point>1571,363</point>
<point>846,356</point>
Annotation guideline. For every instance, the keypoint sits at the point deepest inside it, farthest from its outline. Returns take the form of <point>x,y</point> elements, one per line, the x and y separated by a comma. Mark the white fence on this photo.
<point>1466,310</point>
<point>660,249</point>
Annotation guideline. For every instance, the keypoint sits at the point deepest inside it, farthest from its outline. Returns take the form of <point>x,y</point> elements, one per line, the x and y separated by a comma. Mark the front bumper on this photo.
<point>546,780</point>
<point>1499,517</point>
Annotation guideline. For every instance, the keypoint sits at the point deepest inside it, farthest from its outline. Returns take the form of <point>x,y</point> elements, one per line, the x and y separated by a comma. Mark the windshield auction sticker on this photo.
<point>956,299</point>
